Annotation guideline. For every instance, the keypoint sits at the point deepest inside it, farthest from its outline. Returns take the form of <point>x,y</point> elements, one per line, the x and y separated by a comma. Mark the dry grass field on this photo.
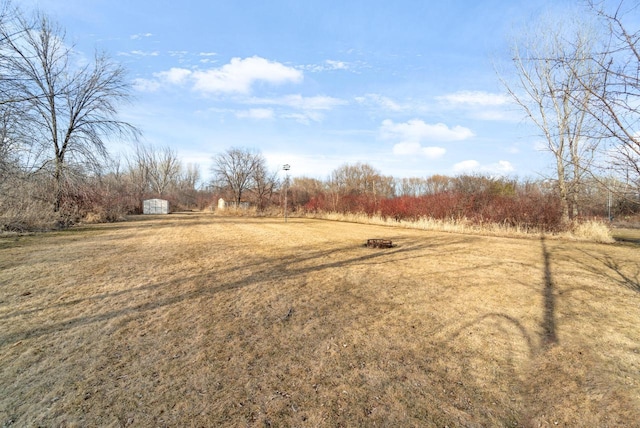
<point>197,320</point>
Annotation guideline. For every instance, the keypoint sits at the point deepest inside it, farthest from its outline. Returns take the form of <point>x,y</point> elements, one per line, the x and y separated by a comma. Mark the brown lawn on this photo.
<point>197,320</point>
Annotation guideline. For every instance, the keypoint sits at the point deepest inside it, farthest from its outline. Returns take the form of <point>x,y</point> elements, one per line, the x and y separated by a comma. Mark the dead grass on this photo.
<point>203,320</point>
<point>590,231</point>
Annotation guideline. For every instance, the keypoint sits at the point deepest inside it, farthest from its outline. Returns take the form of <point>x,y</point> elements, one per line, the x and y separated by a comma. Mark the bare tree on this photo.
<point>615,105</point>
<point>547,60</point>
<point>138,172</point>
<point>235,169</point>
<point>264,184</point>
<point>70,110</point>
<point>362,179</point>
<point>164,169</point>
<point>190,176</point>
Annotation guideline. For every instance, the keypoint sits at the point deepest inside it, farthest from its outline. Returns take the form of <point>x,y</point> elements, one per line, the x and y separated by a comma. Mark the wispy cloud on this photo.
<point>479,105</point>
<point>333,65</point>
<point>499,168</point>
<point>297,101</point>
<point>140,36</point>
<point>416,130</point>
<point>302,109</point>
<point>414,148</point>
<point>139,53</point>
<point>255,113</point>
<point>304,117</point>
<point>474,98</point>
<point>146,85</point>
<point>377,100</point>
<point>207,57</point>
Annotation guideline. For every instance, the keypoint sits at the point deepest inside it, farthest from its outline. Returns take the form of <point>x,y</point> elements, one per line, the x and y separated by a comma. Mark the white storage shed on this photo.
<point>155,206</point>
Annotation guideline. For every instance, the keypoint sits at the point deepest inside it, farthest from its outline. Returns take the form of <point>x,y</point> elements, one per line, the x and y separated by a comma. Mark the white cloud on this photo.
<point>174,76</point>
<point>492,115</point>
<point>466,166</point>
<point>139,53</point>
<point>479,105</point>
<point>256,113</point>
<point>305,117</point>
<point>307,109</point>
<point>416,130</point>
<point>207,57</point>
<point>239,75</point>
<point>319,102</point>
<point>503,166</point>
<point>140,36</point>
<point>434,152</point>
<point>331,65</point>
<point>380,101</point>
<point>146,85</point>
<point>337,65</point>
<point>474,98</point>
<point>541,146</point>
<point>411,134</point>
<point>469,166</point>
<point>143,53</point>
<point>414,148</point>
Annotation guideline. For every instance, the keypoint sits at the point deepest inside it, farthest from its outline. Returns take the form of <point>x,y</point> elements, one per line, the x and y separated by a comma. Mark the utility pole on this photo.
<point>286,167</point>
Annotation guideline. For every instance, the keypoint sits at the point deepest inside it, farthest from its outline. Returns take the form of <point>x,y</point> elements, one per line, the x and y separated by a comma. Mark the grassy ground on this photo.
<point>197,320</point>
<point>627,235</point>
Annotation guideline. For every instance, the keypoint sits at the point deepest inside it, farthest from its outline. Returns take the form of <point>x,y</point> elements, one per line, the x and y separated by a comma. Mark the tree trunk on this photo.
<point>58,192</point>
<point>562,191</point>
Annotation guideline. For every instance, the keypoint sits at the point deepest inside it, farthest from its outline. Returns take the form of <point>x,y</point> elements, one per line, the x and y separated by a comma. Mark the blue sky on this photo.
<point>406,86</point>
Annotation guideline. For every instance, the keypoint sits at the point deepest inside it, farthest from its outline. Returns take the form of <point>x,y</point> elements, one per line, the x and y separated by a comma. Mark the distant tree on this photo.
<point>164,170</point>
<point>9,143</point>
<point>235,168</point>
<point>190,177</point>
<point>438,184</point>
<point>304,189</point>
<point>264,184</point>
<point>68,110</point>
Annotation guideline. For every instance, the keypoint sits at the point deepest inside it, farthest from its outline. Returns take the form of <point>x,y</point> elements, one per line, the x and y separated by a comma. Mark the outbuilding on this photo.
<point>155,206</point>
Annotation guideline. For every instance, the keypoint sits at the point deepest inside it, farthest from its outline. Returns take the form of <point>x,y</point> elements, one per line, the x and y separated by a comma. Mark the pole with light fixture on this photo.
<point>286,168</point>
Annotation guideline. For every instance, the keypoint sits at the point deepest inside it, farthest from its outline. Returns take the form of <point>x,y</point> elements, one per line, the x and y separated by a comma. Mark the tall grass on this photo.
<point>590,230</point>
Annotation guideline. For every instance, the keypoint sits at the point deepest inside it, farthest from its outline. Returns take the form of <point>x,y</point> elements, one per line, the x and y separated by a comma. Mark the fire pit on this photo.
<point>378,243</point>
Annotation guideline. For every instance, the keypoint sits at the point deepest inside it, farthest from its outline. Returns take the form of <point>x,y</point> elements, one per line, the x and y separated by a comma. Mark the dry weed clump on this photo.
<point>22,213</point>
<point>591,230</point>
<point>594,231</point>
<point>208,320</point>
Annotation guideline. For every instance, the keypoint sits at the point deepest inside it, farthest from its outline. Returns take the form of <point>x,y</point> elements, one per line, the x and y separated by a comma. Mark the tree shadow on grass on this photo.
<point>514,369</point>
<point>607,266</point>
<point>550,336</point>
<point>262,270</point>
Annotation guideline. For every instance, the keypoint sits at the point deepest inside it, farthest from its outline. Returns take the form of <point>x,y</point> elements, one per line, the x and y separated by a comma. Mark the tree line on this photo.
<point>240,174</point>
